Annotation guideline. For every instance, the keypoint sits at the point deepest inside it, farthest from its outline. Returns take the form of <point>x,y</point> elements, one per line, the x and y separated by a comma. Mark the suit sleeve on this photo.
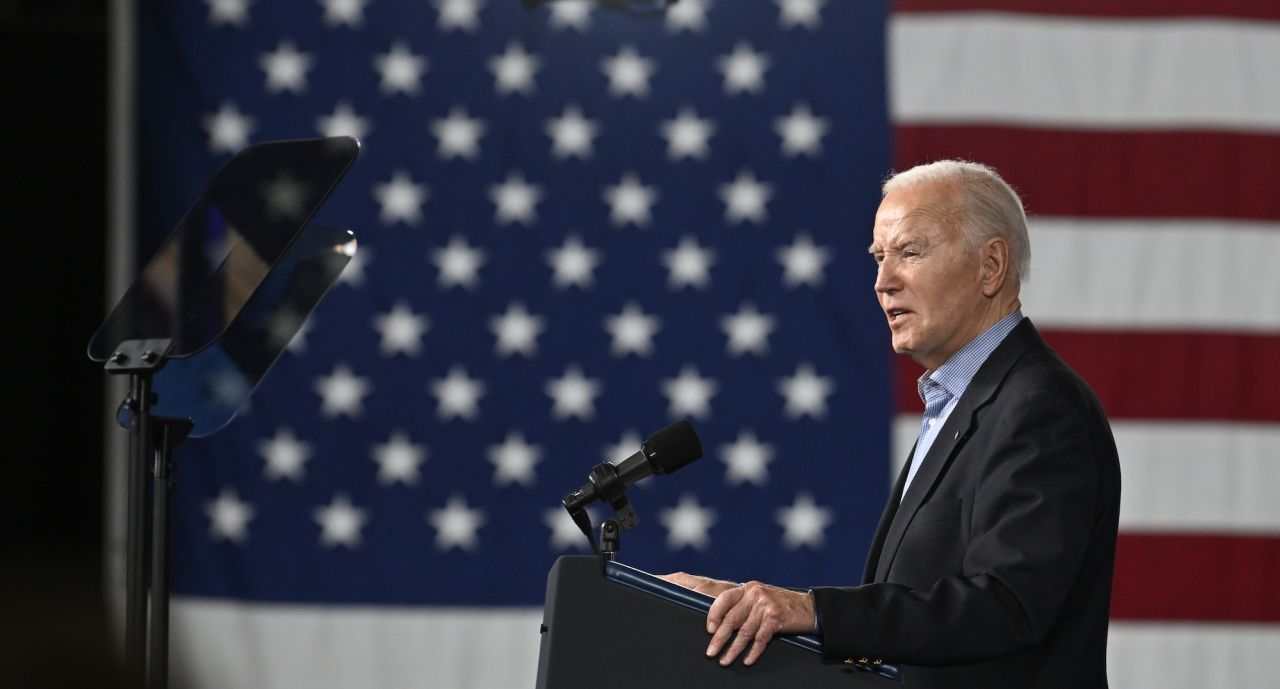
<point>1033,510</point>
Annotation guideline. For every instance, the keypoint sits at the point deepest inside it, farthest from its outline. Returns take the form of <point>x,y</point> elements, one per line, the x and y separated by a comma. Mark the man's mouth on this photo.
<point>895,313</point>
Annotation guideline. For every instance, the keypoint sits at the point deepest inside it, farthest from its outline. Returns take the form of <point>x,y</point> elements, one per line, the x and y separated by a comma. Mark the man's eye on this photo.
<point>910,253</point>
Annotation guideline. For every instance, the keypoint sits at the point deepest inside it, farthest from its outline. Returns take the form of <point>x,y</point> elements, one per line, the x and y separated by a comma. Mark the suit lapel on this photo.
<point>950,439</point>
<point>886,518</point>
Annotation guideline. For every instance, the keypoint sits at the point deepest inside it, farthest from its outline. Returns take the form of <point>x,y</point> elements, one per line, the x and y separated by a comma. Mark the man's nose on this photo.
<point>886,277</point>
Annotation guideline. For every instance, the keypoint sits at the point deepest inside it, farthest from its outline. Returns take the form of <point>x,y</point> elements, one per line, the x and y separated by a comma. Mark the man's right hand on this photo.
<point>704,585</point>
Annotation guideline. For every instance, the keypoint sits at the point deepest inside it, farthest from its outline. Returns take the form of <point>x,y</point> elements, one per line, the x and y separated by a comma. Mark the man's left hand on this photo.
<point>756,612</point>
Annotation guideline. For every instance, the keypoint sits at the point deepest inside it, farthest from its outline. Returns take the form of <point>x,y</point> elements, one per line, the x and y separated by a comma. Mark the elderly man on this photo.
<point>992,562</point>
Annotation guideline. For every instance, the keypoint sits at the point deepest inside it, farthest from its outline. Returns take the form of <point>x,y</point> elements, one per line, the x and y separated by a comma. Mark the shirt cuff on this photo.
<point>817,627</point>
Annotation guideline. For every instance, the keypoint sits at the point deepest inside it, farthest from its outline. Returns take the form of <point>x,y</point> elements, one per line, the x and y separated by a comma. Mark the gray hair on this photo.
<point>989,206</point>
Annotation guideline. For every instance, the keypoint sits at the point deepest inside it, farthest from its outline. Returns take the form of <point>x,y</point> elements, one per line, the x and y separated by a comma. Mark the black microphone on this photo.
<point>662,453</point>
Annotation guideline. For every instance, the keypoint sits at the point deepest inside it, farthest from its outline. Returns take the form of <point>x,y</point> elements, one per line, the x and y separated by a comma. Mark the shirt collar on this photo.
<point>958,371</point>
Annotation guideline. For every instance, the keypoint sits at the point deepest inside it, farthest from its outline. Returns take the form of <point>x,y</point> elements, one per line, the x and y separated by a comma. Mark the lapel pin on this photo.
<point>956,436</point>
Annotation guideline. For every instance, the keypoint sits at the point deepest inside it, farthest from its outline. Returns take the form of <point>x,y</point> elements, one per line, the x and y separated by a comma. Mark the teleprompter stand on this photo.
<point>151,444</point>
<point>198,330</point>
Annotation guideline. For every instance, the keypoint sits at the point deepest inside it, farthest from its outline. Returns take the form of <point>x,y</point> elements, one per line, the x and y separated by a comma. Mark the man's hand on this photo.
<point>756,612</point>
<point>703,585</point>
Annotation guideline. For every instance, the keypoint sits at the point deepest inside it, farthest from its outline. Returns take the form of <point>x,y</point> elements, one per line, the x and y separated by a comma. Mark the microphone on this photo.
<point>662,453</point>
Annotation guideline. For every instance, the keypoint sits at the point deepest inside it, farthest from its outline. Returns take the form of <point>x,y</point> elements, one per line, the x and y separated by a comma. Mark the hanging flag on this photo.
<point>579,224</point>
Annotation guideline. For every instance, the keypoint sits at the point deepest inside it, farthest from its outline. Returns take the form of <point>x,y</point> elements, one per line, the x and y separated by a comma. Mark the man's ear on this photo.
<point>995,265</point>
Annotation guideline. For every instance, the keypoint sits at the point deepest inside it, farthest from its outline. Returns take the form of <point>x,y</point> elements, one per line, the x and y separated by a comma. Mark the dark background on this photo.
<point>54,97</point>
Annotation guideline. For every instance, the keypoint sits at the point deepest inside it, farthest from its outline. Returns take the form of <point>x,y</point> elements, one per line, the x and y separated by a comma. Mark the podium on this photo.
<point>606,624</point>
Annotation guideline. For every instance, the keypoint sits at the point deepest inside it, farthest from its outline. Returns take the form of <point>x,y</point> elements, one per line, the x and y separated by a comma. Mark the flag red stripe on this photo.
<point>1242,9</point>
<point>1160,375</point>
<point>1196,577</point>
<point>1096,173</point>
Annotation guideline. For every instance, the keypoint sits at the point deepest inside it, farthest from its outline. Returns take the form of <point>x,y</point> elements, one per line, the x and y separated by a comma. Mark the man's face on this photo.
<point>929,281</point>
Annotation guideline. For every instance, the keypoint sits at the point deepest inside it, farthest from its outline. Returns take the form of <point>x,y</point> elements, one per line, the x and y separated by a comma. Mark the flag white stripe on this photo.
<point>1180,477</point>
<point>1084,73</point>
<point>1164,655</point>
<point>1154,274</point>
<point>239,645</point>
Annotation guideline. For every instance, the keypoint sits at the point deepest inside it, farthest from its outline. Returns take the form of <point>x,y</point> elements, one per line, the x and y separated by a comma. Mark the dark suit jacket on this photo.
<point>995,569</point>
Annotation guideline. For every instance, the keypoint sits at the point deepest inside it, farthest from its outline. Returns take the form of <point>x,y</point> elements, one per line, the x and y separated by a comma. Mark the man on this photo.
<point>992,562</point>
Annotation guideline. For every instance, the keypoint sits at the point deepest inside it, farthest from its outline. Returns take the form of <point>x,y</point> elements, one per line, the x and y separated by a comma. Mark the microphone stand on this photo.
<point>611,529</point>
<point>624,518</point>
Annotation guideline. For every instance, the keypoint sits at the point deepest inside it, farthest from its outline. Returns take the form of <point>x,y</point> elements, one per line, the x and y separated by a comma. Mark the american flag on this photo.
<point>578,223</point>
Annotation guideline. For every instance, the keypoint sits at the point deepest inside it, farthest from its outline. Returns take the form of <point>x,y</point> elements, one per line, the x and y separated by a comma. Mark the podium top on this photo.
<point>226,245</point>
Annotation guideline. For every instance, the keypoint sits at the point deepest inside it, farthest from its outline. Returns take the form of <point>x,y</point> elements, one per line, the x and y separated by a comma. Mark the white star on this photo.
<point>687,135</point>
<point>456,524</point>
<point>342,392</point>
<point>513,461</point>
<point>573,394</point>
<point>227,389</point>
<point>517,331</point>
<point>285,455</point>
<point>286,197</point>
<point>401,330</point>
<point>229,12</point>
<point>628,73</point>
<point>458,14</point>
<point>748,331</point>
<point>571,133</point>
<point>690,15</point>
<point>806,13</point>
<point>513,70</point>
<point>802,262</point>
<point>626,446</point>
<point>340,522</point>
<point>743,69</point>
<point>401,199</point>
<point>575,14</point>
<point>745,198</point>
<point>803,522</point>
<point>344,12</point>
<point>401,70</point>
<point>228,129</point>
<point>573,264</point>
<point>515,200</point>
<point>687,524</point>
<point>353,273</point>
<point>689,394</point>
<point>229,517</point>
<point>458,135</point>
<point>457,394</point>
<point>801,132</point>
<point>458,263</point>
<point>747,460</point>
<point>343,122</point>
<point>632,331</point>
<point>398,459</point>
<point>286,68</point>
<point>806,392</point>
<point>285,329</point>
<point>564,532</point>
<point>688,265</point>
<point>629,201</point>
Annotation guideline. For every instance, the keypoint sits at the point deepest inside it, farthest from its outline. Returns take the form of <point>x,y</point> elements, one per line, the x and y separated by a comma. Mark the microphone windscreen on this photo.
<point>673,447</point>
